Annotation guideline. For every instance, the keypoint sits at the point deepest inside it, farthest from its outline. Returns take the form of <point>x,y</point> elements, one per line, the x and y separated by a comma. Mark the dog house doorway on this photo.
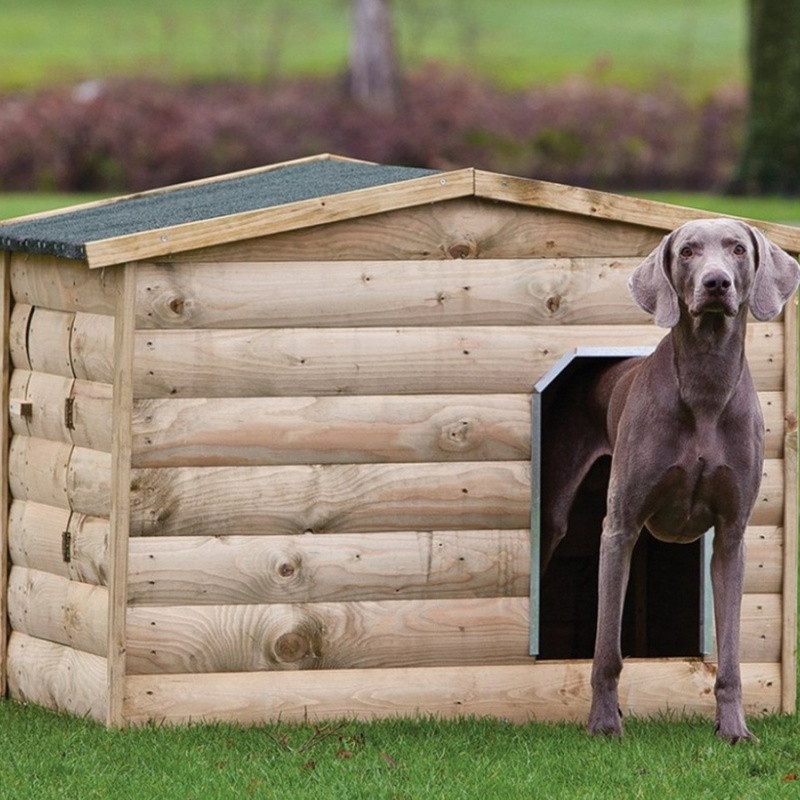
<point>668,609</point>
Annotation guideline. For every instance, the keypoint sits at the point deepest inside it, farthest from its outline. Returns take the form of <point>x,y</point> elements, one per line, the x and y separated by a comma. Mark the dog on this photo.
<point>685,433</point>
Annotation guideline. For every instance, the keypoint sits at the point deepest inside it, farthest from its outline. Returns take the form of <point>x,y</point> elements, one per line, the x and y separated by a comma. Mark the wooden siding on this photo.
<point>545,692</point>
<point>61,340</point>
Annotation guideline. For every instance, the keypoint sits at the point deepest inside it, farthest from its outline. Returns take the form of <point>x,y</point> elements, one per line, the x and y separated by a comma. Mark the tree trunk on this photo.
<point>770,162</point>
<point>374,78</point>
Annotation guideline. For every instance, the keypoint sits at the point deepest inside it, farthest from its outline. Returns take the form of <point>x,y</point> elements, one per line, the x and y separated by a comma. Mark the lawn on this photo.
<point>699,44</point>
<point>49,756</point>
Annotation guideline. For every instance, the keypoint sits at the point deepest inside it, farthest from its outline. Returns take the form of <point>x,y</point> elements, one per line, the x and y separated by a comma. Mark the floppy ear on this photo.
<point>652,289</point>
<point>777,276</point>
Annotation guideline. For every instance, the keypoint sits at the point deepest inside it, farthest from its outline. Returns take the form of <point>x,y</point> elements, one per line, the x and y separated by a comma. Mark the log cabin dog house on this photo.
<point>268,454</point>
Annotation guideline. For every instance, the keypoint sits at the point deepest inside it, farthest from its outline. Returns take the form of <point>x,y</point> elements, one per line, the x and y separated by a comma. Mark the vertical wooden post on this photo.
<point>790,510</point>
<point>5,368</point>
<point>120,492</point>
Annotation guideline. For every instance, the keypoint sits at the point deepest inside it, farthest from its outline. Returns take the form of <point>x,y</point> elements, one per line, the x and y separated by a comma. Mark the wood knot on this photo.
<point>292,647</point>
<point>286,570</point>
<point>177,305</point>
<point>457,436</point>
<point>553,303</point>
<point>462,250</point>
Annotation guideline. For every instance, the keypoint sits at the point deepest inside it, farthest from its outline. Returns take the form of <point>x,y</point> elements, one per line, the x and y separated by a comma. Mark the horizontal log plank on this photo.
<point>545,691</point>
<point>218,570</point>
<point>356,293</point>
<point>18,335</point>
<point>354,498</point>
<point>36,541</point>
<point>327,430</point>
<point>351,498</point>
<point>59,610</point>
<point>320,430</point>
<point>345,361</point>
<point>400,633</point>
<point>211,570</point>
<point>459,228</point>
<point>61,475</point>
<point>61,284</point>
<point>764,561</point>
<point>91,409</point>
<point>761,630</point>
<point>57,677</point>
<point>73,345</point>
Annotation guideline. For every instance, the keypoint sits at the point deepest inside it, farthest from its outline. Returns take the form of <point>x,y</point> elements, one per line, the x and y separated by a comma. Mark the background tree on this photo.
<point>770,162</point>
<point>374,72</point>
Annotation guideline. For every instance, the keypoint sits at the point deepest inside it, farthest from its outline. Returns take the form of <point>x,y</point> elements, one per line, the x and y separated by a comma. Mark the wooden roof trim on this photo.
<point>605,205</point>
<point>291,216</point>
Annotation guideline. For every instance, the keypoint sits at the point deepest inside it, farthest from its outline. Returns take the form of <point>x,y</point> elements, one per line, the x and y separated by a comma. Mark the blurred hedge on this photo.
<point>130,135</point>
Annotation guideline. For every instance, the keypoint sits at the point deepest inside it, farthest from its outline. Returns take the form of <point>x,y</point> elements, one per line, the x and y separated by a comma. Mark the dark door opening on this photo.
<point>666,603</point>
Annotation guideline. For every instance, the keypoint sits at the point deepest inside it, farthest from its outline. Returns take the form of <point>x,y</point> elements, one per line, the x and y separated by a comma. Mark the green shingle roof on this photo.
<point>66,234</point>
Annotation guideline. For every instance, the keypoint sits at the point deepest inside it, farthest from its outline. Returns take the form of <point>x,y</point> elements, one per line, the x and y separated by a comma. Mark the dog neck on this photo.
<point>709,358</point>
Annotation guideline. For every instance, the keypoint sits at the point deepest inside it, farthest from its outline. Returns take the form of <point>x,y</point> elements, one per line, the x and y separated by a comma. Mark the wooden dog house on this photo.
<point>268,448</point>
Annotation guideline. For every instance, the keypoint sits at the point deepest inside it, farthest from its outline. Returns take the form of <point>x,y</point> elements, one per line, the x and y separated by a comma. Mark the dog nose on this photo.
<point>716,282</point>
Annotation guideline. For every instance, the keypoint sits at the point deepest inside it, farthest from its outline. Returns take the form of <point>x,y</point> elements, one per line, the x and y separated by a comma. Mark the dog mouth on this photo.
<point>714,305</point>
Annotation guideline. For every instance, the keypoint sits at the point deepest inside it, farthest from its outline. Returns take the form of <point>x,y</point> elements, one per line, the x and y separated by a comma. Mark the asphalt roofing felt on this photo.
<point>66,234</point>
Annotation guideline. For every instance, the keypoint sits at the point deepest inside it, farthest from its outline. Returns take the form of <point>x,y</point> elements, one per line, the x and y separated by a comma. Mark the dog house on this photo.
<point>268,453</point>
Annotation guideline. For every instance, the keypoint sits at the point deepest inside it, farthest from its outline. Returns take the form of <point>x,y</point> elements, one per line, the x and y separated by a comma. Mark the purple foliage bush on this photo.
<point>130,135</point>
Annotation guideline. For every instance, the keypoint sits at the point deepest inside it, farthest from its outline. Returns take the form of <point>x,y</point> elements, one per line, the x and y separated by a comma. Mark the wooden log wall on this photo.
<point>330,449</point>
<point>59,460</point>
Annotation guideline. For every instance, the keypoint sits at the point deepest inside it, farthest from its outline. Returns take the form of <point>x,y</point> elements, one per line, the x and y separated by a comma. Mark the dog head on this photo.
<point>714,266</point>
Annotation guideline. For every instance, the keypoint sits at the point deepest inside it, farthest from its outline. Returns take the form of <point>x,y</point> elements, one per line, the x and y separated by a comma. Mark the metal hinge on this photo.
<point>66,546</point>
<point>69,413</point>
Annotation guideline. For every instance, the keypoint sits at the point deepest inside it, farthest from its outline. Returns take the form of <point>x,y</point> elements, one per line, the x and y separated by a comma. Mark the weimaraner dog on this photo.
<point>685,433</point>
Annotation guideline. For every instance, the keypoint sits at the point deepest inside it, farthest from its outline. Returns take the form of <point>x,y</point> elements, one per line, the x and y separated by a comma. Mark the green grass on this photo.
<point>699,44</point>
<point>50,756</point>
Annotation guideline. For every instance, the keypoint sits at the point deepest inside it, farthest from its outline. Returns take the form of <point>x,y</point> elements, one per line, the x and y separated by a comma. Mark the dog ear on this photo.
<point>651,287</point>
<point>777,276</point>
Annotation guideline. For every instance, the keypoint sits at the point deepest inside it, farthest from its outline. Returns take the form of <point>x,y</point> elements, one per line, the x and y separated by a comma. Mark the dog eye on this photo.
<point>739,250</point>
<point>686,252</point>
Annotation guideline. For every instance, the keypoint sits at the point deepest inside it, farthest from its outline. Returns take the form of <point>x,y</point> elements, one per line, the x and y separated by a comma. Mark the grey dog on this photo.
<point>685,433</point>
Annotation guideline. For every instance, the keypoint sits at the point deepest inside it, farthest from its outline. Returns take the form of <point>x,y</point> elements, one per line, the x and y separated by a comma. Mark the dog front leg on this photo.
<point>727,579</point>
<point>616,548</point>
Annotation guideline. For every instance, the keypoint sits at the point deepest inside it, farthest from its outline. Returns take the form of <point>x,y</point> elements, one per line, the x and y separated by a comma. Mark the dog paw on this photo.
<point>605,724</point>
<point>734,733</point>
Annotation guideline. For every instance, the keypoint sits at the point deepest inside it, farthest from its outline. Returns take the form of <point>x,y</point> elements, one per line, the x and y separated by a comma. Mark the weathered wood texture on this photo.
<point>62,284</point>
<point>319,430</point>
<point>336,361</point>
<point>368,293</point>
<point>367,634</point>
<point>74,345</point>
<point>120,491</point>
<point>546,692</point>
<point>48,394</point>
<point>324,430</point>
<point>460,228</point>
<point>60,475</point>
<point>399,633</point>
<point>350,498</point>
<point>57,677</point>
<point>36,540</point>
<point>59,610</point>
<point>790,511</point>
<point>353,498</point>
<point>218,570</point>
